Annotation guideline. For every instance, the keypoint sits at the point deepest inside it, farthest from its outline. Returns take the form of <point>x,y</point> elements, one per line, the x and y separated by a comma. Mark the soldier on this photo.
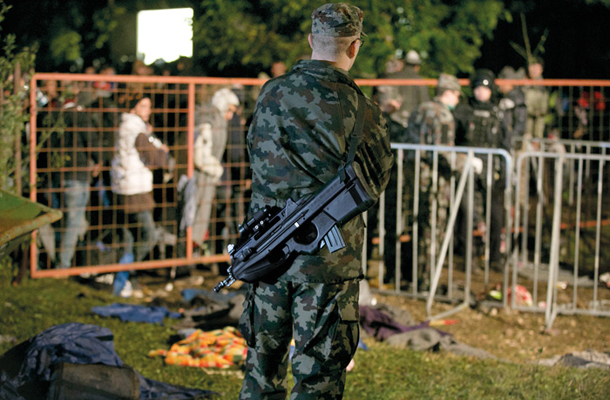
<point>433,120</point>
<point>537,100</point>
<point>514,109</point>
<point>298,140</point>
<point>406,98</point>
<point>434,123</point>
<point>512,103</point>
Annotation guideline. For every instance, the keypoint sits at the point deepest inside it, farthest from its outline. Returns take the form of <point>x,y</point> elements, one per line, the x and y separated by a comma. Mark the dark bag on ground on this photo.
<point>93,382</point>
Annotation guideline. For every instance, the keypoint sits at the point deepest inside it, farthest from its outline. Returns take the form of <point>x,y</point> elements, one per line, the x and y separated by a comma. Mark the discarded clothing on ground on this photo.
<point>26,369</point>
<point>418,337</point>
<point>400,315</point>
<point>426,338</point>
<point>136,313</point>
<point>380,325</point>
<point>213,310</point>
<point>220,348</point>
<point>580,359</point>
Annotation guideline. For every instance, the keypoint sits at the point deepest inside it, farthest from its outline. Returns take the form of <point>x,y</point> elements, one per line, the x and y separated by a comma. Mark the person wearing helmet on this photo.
<point>485,128</point>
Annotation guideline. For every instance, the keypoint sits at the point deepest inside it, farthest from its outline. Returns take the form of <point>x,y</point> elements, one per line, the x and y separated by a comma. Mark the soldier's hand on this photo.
<point>477,165</point>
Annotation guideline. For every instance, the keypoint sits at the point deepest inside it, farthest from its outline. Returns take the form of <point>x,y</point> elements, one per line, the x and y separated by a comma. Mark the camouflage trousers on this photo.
<point>434,213</point>
<point>323,320</point>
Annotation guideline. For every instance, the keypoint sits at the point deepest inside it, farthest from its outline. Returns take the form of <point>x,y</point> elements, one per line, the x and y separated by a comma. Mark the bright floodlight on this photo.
<point>165,34</point>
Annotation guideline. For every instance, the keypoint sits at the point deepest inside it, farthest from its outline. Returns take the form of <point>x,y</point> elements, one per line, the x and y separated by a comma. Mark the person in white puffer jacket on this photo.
<point>137,151</point>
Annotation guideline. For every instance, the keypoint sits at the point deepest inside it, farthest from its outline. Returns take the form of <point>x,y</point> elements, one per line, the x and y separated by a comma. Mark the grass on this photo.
<point>382,372</point>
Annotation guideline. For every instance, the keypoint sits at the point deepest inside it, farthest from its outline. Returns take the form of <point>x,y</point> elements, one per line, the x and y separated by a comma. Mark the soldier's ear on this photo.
<point>352,50</point>
<point>310,41</point>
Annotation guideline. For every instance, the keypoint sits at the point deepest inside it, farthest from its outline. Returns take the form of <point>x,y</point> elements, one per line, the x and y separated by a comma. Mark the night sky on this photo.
<point>577,47</point>
<point>578,44</point>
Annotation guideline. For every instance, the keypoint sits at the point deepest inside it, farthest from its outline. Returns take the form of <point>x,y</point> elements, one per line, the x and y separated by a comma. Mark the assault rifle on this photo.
<point>273,236</point>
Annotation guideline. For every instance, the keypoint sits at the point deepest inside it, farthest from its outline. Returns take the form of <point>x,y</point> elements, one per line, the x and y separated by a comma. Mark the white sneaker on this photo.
<point>127,290</point>
<point>108,279</point>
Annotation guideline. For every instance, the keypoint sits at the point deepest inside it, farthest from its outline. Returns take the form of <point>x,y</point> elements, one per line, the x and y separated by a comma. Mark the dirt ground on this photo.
<point>518,336</point>
<point>513,335</point>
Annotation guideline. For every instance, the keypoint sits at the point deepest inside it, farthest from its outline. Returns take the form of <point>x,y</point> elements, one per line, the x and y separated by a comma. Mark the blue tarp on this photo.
<point>136,313</point>
<point>26,369</point>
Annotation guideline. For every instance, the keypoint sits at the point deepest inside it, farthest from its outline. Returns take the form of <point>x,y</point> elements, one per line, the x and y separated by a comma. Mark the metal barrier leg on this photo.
<point>551,297</point>
<point>467,172</point>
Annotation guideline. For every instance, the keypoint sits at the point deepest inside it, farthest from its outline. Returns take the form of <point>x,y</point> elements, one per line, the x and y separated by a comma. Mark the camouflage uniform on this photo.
<point>537,101</point>
<point>410,96</point>
<point>434,122</point>
<point>298,140</point>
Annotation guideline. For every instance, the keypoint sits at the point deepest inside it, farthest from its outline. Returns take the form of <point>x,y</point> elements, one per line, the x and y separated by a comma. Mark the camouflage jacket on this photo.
<point>537,100</point>
<point>433,123</point>
<point>298,140</point>
<point>410,97</point>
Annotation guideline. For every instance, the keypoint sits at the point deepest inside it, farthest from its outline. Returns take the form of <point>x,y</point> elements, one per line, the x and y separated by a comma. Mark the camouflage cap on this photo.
<point>446,81</point>
<point>337,20</point>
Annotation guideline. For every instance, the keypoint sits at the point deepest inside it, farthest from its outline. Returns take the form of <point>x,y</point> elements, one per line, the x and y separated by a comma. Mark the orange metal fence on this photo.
<point>101,102</point>
<point>580,109</point>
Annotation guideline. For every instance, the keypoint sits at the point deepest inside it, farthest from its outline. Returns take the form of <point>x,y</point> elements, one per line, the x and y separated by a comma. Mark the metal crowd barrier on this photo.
<point>555,145</point>
<point>561,267</point>
<point>438,266</point>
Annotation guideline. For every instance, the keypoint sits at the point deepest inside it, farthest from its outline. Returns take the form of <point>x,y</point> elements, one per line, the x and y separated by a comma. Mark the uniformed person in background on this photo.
<point>298,141</point>
<point>514,111</point>
<point>407,98</point>
<point>486,129</point>
<point>537,101</point>
<point>433,121</point>
<point>512,103</point>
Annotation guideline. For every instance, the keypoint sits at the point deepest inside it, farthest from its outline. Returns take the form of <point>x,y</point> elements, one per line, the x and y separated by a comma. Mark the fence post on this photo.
<point>16,85</point>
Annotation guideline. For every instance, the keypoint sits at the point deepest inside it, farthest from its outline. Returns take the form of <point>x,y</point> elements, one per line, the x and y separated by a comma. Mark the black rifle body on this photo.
<point>273,236</point>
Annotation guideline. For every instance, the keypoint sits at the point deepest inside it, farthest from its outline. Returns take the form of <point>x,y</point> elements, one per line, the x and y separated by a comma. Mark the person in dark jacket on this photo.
<point>79,149</point>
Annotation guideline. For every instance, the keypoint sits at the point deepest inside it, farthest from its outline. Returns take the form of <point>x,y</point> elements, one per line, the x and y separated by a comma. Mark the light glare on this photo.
<point>165,34</point>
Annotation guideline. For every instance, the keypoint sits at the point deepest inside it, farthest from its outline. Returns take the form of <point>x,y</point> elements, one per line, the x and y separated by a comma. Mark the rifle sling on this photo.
<point>358,128</point>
